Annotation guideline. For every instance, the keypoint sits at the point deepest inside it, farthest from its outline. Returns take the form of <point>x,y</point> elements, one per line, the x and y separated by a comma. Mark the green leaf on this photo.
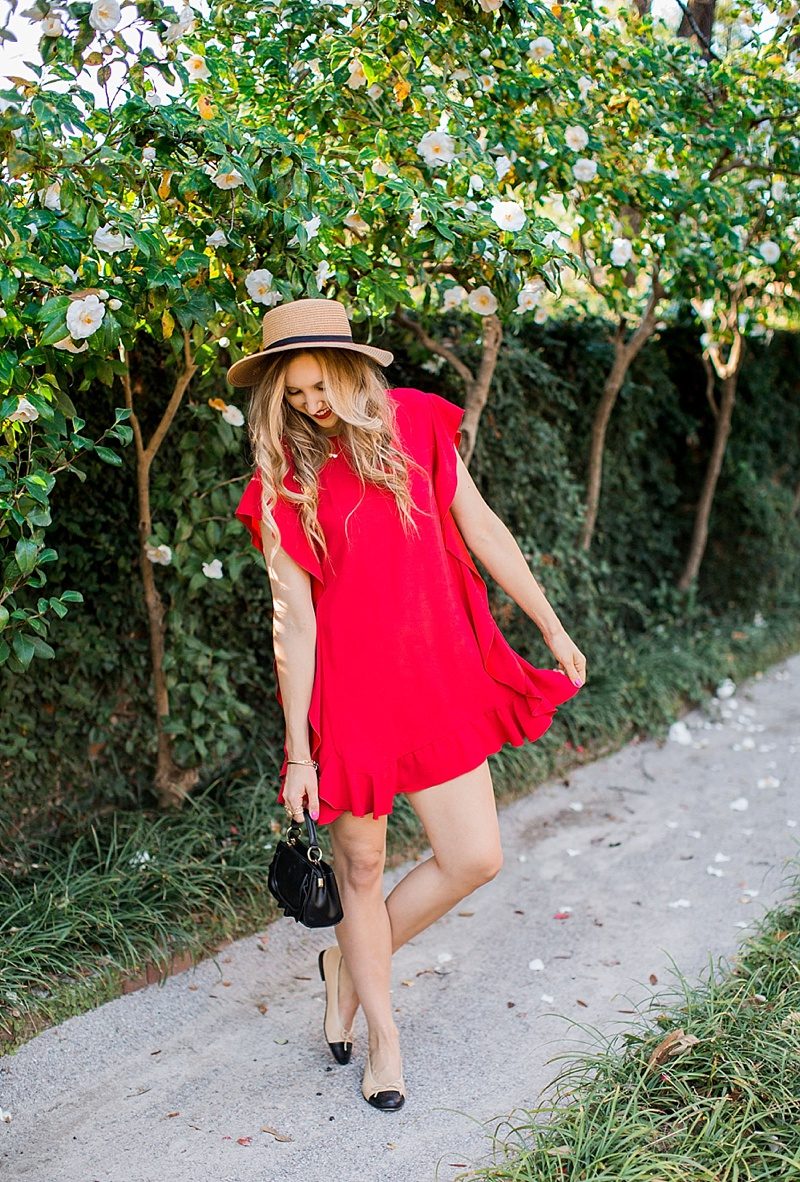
<point>108,456</point>
<point>23,649</point>
<point>41,648</point>
<point>25,553</point>
<point>71,597</point>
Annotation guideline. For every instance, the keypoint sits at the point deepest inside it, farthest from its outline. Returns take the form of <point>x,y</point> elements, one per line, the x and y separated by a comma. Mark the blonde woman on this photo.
<point>392,673</point>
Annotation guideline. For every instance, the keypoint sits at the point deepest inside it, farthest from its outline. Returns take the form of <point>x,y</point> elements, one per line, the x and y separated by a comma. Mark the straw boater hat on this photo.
<point>301,323</point>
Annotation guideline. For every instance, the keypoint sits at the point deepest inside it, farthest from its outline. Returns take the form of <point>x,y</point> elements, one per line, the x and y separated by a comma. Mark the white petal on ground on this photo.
<point>719,857</point>
<point>546,997</point>
<point>740,804</point>
<point>680,733</point>
<point>535,965</point>
<point>768,782</point>
<point>680,903</point>
<point>713,870</point>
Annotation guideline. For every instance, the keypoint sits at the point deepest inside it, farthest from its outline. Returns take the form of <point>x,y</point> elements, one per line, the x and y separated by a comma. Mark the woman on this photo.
<point>391,671</point>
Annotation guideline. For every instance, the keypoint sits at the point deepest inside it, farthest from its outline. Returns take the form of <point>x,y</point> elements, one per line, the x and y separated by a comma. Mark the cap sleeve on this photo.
<point>293,538</point>
<point>446,418</point>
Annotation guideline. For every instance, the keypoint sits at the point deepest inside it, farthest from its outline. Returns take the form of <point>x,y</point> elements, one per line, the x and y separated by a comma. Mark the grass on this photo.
<point>723,1107</point>
<point>85,912</point>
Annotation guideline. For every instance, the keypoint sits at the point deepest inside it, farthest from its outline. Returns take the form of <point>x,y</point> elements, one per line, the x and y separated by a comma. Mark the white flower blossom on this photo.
<point>52,26</point>
<point>233,415</point>
<point>110,241</point>
<point>51,196</point>
<point>153,99</point>
<point>85,316</point>
<point>140,858</point>
<point>311,227</point>
<point>502,165</point>
<point>69,346</point>
<point>585,84</point>
<point>453,297</point>
<point>584,169</point>
<point>323,273</point>
<point>25,412</point>
<point>482,301</point>
<point>217,238</point>
<point>416,221</point>
<point>357,76</point>
<point>576,137</point>
<point>540,315</point>
<point>436,147</point>
<point>621,252</point>
<point>196,68</point>
<point>778,190</point>
<point>380,167</point>
<point>769,251</point>
<point>375,91</point>
<point>228,180</point>
<point>541,48</point>
<point>490,5</point>
<point>182,27</point>
<point>213,569</point>
<point>509,215</point>
<point>259,286</point>
<point>148,155</point>
<point>356,223</point>
<point>105,15</point>
<point>159,554</point>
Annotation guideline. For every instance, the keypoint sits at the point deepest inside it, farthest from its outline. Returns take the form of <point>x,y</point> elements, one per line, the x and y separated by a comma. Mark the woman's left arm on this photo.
<point>490,540</point>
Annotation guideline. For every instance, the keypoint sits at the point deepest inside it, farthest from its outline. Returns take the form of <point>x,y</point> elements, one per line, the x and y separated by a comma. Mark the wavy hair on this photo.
<point>355,389</point>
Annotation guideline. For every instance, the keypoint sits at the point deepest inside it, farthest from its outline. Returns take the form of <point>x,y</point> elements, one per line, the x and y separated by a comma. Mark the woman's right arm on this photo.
<point>294,639</point>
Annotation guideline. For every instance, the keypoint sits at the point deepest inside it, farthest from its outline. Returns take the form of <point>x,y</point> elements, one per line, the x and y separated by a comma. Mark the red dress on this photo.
<point>414,682</point>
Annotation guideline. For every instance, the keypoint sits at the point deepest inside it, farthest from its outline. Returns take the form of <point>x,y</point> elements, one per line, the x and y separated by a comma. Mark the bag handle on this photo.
<point>313,844</point>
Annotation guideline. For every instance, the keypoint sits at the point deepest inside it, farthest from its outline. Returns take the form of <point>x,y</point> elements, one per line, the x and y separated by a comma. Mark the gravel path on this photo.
<point>651,858</point>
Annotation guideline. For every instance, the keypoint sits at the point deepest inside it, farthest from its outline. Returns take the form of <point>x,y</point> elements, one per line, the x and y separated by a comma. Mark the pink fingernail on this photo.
<point>577,681</point>
<point>315,815</point>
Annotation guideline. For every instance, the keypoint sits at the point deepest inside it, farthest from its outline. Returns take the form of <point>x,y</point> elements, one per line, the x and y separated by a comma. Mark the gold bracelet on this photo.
<point>312,762</point>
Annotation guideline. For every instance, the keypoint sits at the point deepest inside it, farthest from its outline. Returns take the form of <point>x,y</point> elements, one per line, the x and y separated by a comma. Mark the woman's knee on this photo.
<point>474,867</point>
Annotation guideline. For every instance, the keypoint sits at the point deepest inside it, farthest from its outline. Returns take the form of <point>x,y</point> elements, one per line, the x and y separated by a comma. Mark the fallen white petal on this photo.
<point>721,858</point>
<point>536,965</point>
<point>740,804</point>
<point>672,824</point>
<point>713,870</point>
<point>792,824</point>
<point>573,853</point>
<point>576,806</point>
<point>768,782</point>
<point>522,858</point>
<point>443,957</point>
<point>752,893</point>
<point>680,903</point>
<point>546,997</point>
<point>694,833</point>
<point>680,733</point>
<point>742,923</point>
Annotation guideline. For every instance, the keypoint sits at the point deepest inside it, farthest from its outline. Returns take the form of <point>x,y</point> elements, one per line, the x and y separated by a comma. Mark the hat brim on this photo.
<point>246,370</point>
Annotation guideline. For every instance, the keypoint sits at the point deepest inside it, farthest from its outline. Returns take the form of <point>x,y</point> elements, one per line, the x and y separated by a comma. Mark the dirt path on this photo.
<point>181,1080</point>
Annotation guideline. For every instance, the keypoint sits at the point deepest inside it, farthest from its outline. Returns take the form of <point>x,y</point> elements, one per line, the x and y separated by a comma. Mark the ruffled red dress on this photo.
<point>414,682</point>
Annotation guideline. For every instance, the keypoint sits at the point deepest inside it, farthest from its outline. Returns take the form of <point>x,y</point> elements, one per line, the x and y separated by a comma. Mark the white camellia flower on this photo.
<point>217,238</point>
<point>540,315</point>
<point>490,5</point>
<point>223,342</point>
<point>769,251</point>
<point>357,76</point>
<point>148,155</point>
<point>153,99</point>
<point>233,415</point>
<point>454,297</point>
<point>182,27</point>
<point>105,15</point>
<point>52,27</point>
<point>437,147</point>
<point>259,285</point>
<point>85,316</point>
<point>461,74</point>
<point>196,68</point>
<point>509,215</point>
<point>311,227</point>
<point>482,301</point>
<point>486,83</point>
<point>159,554</point>
<point>375,91</point>
<point>584,169</point>
<point>526,300</point>
<point>585,84</point>
<point>114,304</point>
<point>228,180</point>
<point>25,412</point>
<point>476,183</point>
<point>502,165</point>
<point>416,221</point>
<point>576,137</point>
<point>778,190</point>
<point>213,570</point>
<point>380,167</point>
<point>705,309</point>
<point>621,251</point>
<point>110,241</point>
<point>541,48</point>
<point>323,273</point>
<point>51,196</point>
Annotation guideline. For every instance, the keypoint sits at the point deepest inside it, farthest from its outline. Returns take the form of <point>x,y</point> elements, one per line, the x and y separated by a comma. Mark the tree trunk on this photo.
<point>476,385</point>
<point>171,782</point>
<point>722,430</point>
<point>624,354</point>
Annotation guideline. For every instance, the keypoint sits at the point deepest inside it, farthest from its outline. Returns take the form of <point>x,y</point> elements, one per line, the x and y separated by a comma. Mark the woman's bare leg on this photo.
<point>460,821</point>
<point>365,934</point>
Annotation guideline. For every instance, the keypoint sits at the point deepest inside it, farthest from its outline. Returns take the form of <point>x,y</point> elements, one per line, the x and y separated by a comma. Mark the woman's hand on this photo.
<point>300,789</point>
<point>570,658</point>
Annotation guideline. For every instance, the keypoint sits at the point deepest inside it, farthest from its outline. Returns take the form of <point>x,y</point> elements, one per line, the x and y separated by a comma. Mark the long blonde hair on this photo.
<point>355,389</point>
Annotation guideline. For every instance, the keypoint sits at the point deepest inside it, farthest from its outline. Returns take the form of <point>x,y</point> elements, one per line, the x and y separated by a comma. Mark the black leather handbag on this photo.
<point>301,881</point>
